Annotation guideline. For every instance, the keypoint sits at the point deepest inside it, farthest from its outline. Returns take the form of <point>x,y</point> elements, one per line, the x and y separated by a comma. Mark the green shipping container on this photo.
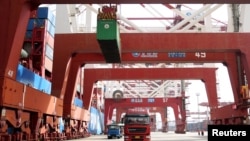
<point>108,37</point>
<point>107,30</point>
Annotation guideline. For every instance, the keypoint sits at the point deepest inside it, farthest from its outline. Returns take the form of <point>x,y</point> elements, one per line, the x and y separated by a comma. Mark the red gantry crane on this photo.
<point>34,111</point>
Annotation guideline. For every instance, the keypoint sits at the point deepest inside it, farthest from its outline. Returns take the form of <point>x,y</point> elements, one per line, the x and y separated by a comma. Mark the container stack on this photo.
<point>96,122</point>
<point>38,49</point>
<point>39,41</point>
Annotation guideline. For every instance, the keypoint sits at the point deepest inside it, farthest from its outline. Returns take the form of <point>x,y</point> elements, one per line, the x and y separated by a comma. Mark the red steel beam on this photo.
<point>70,90</point>
<point>157,42</point>
<point>158,57</point>
<point>227,111</point>
<point>14,21</point>
<point>143,102</point>
<point>142,1</point>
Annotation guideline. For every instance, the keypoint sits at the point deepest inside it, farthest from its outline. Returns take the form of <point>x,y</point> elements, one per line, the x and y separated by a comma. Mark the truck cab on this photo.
<point>137,126</point>
<point>114,131</point>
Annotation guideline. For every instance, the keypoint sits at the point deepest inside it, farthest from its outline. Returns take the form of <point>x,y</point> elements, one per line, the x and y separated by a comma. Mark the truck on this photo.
<point>114,131</point>
<point>137,125</point>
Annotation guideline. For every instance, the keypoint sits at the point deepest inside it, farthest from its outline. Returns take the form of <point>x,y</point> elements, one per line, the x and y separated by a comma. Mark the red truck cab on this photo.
<point>137,126</point>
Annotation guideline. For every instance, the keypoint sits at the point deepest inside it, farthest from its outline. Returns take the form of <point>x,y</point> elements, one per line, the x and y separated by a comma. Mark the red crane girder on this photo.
<point>143,102</point>
<point>157,42</point>
<point>159,57</point>
<point>228,111</point>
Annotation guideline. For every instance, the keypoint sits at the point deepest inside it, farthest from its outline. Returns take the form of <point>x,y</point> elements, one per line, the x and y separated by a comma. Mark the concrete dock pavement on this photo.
<point>156,136</point>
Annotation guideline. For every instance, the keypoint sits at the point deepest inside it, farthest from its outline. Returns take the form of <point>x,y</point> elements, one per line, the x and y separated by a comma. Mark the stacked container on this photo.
<point>44,20</point>
<point>37,54</point>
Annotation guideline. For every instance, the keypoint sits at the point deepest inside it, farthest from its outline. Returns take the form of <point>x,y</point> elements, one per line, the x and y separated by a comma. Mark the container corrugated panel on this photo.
<point>94,123</point>
<point>107,29</point>
<point>108,37</point>
<point>49,39</point>
<point>45,13</point>
<point>49,51</point>
<point>28,77</point>
<point>51,28</point>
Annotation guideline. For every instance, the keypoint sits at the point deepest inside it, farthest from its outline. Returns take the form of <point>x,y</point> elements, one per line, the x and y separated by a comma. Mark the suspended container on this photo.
<point>108,37</point>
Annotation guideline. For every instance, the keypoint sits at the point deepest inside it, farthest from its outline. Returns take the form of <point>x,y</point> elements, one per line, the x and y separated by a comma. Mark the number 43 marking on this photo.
<point>200,54</point>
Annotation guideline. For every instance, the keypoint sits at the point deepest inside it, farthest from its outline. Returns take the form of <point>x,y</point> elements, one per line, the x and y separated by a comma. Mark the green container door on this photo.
<point>107,30</point>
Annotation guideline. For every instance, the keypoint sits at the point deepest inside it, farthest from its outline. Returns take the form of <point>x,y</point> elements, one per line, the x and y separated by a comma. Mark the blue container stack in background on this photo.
<point>43,17</point>
<point>96,123</point>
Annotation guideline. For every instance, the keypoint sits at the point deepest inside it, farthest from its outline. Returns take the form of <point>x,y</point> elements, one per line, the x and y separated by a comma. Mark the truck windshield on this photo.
<point>139,120</point>
<point>113,127</point>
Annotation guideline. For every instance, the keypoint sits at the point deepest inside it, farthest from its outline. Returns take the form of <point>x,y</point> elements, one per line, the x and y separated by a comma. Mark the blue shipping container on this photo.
<point>96,121</point>
<point>28,77</point>
<point>45,13</point>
